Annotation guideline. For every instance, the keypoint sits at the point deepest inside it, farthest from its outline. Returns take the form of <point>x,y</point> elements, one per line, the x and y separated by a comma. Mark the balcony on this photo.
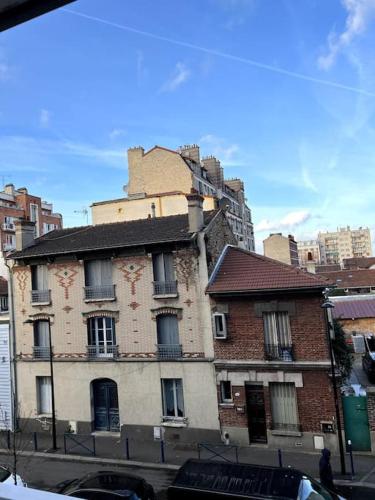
<point>278,352</point>
<point>169,351</point>
<point>8,226</point>
<point>165,288</point>
<point>41,352</point>
<point>102,351</point>
<point>40,296</point>
<point>100,292</point>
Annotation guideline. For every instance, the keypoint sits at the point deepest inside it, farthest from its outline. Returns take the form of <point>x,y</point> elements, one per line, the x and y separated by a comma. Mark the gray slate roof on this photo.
<point>112,235</point>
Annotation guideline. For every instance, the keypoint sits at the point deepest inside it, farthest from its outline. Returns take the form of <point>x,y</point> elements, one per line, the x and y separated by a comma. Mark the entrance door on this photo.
<point>356,423</point>
<point>106,412</point>
<point>256,413</point>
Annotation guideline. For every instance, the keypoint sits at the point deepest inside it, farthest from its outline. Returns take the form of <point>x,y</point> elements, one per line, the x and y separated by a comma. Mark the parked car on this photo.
<point>368,359</point>
<point>6,477</point>
<point>108,485</point>
<point>209,480</point>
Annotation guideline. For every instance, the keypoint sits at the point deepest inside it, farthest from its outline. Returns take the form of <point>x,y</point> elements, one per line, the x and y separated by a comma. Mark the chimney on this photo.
<point>190,151</point>
<point>214,171</point>
<point>195,211</point>
<point>9,189</point>
<point>135,178</point>
<point>311,266</point>
<point>25,234</point>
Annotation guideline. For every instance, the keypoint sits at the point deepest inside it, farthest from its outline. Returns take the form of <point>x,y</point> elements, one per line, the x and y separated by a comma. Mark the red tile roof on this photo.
<point>359,262</point>
<point>239,270</point>
<point>353,278</point>
<point>354,309</point>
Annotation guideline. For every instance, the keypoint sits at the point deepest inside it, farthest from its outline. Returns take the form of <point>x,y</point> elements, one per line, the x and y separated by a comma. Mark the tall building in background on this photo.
<point>281,248</point>
<point>309,251</point>
<point>19,204</point>
<point>159,181</point>
<point>345,243</point>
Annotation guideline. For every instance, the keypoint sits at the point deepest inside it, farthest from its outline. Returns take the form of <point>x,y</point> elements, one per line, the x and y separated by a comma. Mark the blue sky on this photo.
<point>282,91</point>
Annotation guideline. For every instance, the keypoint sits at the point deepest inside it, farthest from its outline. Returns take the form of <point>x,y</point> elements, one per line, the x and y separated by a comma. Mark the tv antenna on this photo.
<point>83,212</point>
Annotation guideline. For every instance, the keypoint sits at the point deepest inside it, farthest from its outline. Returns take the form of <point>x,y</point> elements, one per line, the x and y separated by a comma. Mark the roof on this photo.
<point>114,235</point>
<point>359,262</point>
<point>353,278</point>
<point>326,268</point>
<point>241,271</point>
<point>354,309</point>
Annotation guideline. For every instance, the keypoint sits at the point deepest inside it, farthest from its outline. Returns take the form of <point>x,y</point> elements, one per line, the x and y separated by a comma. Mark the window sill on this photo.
<point>174,423</point>
<point>226,405</point>
<point>165,296</point>
<point>41,303</point>
<point>281,432</point>
<point>106,299</point>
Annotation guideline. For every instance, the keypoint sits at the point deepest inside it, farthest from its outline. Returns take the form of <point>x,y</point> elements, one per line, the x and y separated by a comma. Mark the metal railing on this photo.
<point>99,292</point>
<point>8,226</point>
<point>165,287</point>
<point>4,303</point>
<point>169,351</point>
<point>38,296</point>
<point>279,352</point>
<point>41,352</point>
<point>102,351</point>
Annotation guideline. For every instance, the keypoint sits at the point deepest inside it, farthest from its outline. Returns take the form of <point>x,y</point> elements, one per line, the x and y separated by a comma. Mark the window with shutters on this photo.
<point>98,280</point>
<point>41,348</point>
<point>164,277</point>
<point>277,336</point>
<point>172,398</point>
<point>39,284</point>
<point>284,407</point>
<point>168,345</point>
<point>44,395</point>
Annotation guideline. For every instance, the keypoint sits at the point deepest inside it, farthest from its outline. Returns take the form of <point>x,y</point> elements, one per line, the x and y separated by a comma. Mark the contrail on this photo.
<point>224,55</point>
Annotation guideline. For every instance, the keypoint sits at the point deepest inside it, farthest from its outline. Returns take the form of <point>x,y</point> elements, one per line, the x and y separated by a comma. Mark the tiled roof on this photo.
<point>359,262</point>
<point>353,309</point>
<point>353,278</point>
<point>326,268</point>
<point>239,270</point>
<point>114,235</point>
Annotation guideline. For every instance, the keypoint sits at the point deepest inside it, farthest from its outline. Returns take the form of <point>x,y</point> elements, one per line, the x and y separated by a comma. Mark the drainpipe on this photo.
<point>12,347</point>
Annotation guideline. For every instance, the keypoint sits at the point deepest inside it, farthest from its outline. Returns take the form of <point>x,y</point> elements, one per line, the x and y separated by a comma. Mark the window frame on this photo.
<point>223,333</point>
<point>176,402</point>
<point>223,399</point>
<point>42,406</point>
<point>93,332</point>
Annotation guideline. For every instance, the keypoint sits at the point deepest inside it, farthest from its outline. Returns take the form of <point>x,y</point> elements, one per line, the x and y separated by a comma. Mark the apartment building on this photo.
<point>309,251</point>
<point>6,406</point>
<point>19,204</point>
<point>159,181</point>
<point>281,248</point>
<point>345,243</point>
<point>129,320</point>
<point>271,353</point>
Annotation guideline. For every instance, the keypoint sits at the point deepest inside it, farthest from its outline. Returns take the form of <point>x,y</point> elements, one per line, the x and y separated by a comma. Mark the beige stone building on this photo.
<point>130,324</point>
<point>281,248</point>
<point>309,251</point>
<point>345,243</point>
<point>159,180</point>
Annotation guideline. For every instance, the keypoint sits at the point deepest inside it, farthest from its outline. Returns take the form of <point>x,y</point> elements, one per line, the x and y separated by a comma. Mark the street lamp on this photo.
<point>54,440</point>
<point>328,305</point>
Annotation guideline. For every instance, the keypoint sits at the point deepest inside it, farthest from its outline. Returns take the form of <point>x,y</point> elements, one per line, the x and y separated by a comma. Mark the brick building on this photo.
<point>130,324</point>
<point>271,353</point>
<point>19,204</point>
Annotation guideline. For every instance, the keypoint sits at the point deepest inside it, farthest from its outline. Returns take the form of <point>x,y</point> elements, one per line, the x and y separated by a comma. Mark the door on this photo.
<point>256,413</point>
<point>356,422</point>
<point>106,412</point>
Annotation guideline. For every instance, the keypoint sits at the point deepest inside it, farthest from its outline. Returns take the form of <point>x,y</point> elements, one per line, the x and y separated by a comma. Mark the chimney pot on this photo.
<point>195,211</point>
<point>25,233</point>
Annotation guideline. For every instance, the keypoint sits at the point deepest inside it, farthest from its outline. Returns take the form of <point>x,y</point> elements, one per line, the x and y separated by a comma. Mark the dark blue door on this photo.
<point>106,406</point>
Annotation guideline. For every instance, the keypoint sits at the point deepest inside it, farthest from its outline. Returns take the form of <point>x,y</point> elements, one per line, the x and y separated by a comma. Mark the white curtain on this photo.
<point>41,277</point>
<point>44,395</point>
<point>277,328</point>
<point>42,334</point>
<point>99,272</point>
<point>284,405</point>
<point>163,267</point>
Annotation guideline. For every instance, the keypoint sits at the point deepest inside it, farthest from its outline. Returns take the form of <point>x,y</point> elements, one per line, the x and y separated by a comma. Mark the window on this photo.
<point>101,337</point>
<point>173,399</point>
<point>220,325</point>
<point>226,391</point>
<point>277,336</point>
<point>44,395</point>
<point>98,280</point>
<point>34,217</point>
<point>41,347</point>
<point>164,277</point>
<point>284,406</point>
<point>39,284</point>
<point>168,338</point>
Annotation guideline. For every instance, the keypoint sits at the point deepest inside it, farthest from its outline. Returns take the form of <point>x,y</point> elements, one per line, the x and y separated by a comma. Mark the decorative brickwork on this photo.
<point>186,263</point>
<point>65,274</point>
<point>67,309</point>
<point>177,311</point>
<point>133,305</point>
<point>132,271</point>
<point>188,302</point>
<point>106,314</point>
<point>21,274</point>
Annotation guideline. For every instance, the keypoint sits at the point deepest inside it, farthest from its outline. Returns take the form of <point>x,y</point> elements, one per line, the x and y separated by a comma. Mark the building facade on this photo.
<point>129,321</point>
<point>281,248</point>
<point>159,181</point>
<point>271,353</point>
<point>19,204</point>
<point>309,251</point>
<point>6,405</point>
<point>345,243</point>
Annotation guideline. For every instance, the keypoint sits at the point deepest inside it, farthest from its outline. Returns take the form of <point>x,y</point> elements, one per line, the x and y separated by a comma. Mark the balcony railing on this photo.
<point>102,351</point>
<point>169,351</point>
<point>40,296</point>
<point>278,352</point>
<point>41,352</point>
<point>8,226</point>
<point>100,292</point>
<point>165,287</point>
<point>4,303</point>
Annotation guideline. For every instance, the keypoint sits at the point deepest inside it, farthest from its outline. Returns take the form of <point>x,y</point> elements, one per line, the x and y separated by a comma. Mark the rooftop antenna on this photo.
<point>84,212</point>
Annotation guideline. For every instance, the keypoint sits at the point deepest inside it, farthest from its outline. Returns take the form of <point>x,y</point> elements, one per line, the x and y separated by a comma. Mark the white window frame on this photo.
<point>220,334</point>
<point>224,399</point>
<point>44,407</point>
<point>175,399</point>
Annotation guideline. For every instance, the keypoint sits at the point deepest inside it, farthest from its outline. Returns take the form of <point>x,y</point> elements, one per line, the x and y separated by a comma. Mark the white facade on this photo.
<point>5,376</point>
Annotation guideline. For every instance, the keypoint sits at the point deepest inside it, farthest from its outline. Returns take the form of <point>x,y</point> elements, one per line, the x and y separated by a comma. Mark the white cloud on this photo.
<point>289,221</point>
<point>218,147</point>
<point>360,13</point>
<point>306,179</point>
<point>180,75</point>
<point>116,133</point>
<point>44,118</point>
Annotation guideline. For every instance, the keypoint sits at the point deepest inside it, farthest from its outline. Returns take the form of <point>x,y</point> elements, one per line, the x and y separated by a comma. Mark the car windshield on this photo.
<point>4,474</point>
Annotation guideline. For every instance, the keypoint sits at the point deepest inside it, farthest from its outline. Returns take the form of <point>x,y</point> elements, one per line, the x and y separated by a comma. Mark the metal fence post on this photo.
<point>64,444</point>
<point>93,446</point>
<point>35,440</point>
<point>127,448</point>
<point>162,454</point>
<point>280,458</point>
<point>351,456</point>
<point>8,439</point>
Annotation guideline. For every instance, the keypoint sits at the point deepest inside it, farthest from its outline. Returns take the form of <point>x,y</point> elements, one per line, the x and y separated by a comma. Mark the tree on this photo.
<point>342,352</point>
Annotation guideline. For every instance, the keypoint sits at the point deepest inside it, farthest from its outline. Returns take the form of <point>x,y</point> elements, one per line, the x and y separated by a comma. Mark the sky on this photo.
<point>281,91</point>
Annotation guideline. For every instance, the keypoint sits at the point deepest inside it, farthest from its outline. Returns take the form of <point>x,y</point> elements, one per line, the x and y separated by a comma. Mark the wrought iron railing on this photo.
<point>279,352</point>
<point>4,303</point>
<point>99,292</point>
<point>169,351</point>
<point>102,351</point>
<point>38,296</point>
<point>41,352</point>
<point>165,287</point>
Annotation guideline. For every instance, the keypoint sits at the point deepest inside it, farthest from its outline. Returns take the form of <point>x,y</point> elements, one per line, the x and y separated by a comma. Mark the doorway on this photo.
<point>106,411</point>
<point>256,413</point>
